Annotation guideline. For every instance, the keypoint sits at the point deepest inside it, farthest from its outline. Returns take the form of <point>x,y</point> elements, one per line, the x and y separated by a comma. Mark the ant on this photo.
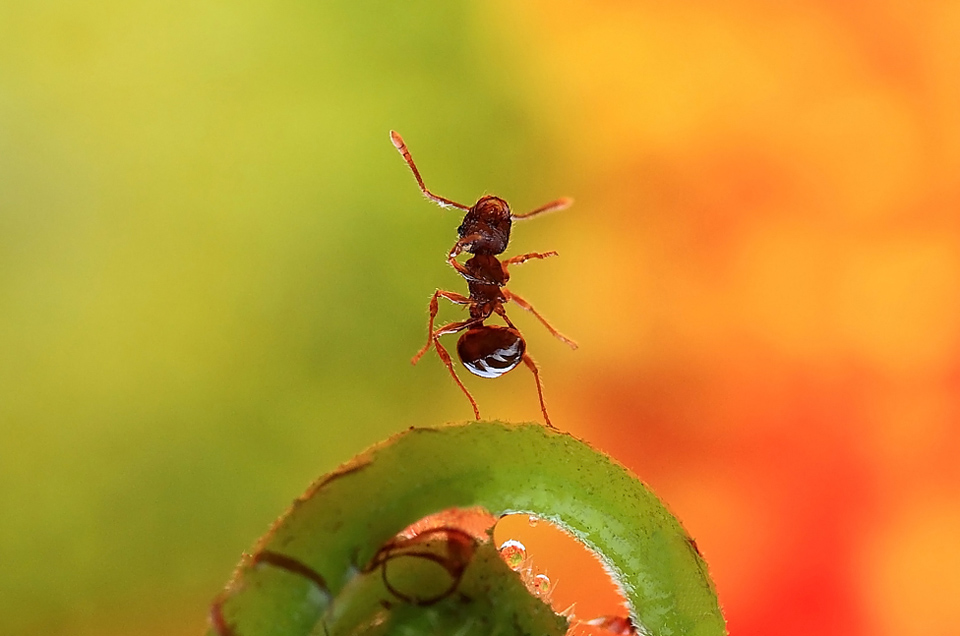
<point>488,351</point>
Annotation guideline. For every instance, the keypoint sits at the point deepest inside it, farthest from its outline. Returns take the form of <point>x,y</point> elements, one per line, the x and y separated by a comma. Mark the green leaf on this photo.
<point>293,581</point>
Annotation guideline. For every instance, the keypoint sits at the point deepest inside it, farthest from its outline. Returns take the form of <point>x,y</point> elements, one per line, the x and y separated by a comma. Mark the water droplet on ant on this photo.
<point>514,553</point>
<point>533,521</point>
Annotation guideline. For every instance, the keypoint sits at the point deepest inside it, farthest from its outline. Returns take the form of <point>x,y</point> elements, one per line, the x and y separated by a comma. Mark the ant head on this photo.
<point>490,350</point>
<point>489,221</point>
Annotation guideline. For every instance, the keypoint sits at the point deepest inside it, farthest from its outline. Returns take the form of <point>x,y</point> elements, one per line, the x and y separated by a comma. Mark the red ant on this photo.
<point>488,351</point>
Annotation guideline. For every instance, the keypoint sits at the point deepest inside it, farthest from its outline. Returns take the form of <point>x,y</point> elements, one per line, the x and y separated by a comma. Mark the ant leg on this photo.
<point>525,305</point>
<point>527,360</point>
<point>453,328</point>
<point>523,258</point>
<point>460,268</point>
<point>458,247</point>
<point>434,306</point>
<point>559,204</point>
<point>462,244</point>
<point>402,147</point>
<point>503,314</point>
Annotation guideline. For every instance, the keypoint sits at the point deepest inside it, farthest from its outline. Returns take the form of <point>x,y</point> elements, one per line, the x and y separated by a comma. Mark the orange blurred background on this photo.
<point>770,276</point>
<point>215,267</point>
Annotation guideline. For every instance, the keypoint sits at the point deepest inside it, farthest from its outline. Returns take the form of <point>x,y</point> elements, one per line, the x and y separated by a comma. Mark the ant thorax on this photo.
<point>486,269</point>
<point>485,276</point>
<point>487,226</point>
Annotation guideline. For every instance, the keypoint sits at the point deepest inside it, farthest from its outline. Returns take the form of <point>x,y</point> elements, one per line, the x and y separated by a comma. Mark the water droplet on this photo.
<point>533,521</point>
<point>541,585</point>
<point>514,553</point>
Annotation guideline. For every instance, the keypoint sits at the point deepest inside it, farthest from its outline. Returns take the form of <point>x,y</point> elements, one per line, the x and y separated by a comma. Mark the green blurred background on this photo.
<point>214,268</point>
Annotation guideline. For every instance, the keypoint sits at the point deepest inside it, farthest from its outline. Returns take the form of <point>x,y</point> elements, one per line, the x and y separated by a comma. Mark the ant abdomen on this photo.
<point>489,351</point>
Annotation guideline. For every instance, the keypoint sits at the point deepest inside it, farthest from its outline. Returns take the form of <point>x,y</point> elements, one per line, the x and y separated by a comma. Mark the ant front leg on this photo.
<point>525,305</point>
<point>434,306</point>
<point>458,247</point>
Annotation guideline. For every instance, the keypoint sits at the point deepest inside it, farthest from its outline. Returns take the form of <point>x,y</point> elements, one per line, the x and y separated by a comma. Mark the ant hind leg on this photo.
<point>454,327</point>
<point>503,314</point>
<point>449,363</point>
<point>434,307</point>
<point>525,305</point>
<point>527,360</point>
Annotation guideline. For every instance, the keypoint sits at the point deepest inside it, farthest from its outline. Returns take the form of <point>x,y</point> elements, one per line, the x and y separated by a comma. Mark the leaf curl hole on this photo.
<point>560,570</point>
<point>427,567</point>
<point>424,562</point>
<point>474,521</point>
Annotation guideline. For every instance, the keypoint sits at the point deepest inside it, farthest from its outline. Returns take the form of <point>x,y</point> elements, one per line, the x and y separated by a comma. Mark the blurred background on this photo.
<point>214,269</point>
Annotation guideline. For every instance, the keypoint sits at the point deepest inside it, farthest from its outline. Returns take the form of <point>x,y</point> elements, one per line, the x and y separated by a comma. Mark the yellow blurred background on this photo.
<point>214,268</point>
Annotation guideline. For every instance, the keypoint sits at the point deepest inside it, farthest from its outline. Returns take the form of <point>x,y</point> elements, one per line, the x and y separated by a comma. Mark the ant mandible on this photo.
<point>488,351</point>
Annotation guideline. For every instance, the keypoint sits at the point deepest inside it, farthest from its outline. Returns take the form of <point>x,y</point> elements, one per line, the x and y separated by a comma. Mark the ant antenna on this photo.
<point>553,206</point>
<point>443,203</point>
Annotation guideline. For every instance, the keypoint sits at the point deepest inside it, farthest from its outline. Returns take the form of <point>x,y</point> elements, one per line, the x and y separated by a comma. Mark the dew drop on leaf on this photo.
<point>541,585</point>
<point>514,553</point>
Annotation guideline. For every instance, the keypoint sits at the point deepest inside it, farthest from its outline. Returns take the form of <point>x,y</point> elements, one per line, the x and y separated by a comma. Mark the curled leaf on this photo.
<point>323,567</point>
